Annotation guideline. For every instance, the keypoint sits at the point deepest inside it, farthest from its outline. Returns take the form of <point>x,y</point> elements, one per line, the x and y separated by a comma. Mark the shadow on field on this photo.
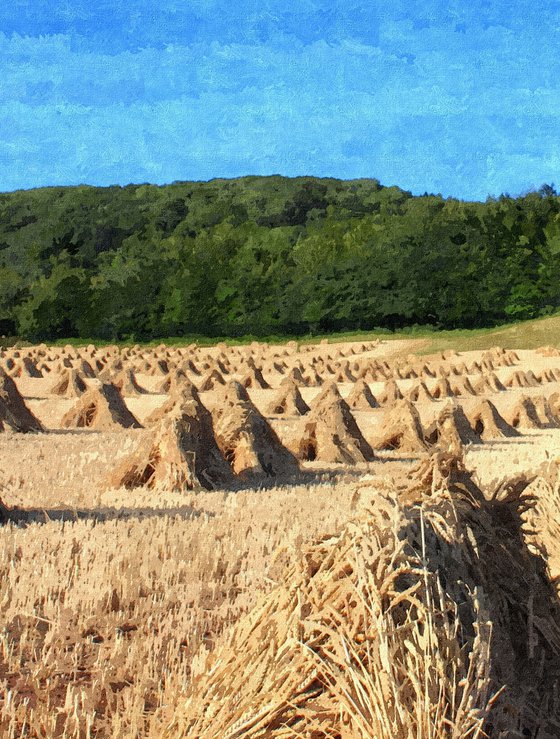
<point>317,477</point>
<point>23,517</point>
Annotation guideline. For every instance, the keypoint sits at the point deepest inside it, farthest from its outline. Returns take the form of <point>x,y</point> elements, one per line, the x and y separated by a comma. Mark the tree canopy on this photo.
<point>264,255</point>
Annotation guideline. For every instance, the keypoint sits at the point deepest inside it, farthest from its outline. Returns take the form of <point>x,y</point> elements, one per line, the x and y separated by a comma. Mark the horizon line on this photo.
<point>425,193</point>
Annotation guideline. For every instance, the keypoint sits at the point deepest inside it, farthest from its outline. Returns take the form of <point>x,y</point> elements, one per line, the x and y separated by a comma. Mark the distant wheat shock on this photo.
<point>334,540</point>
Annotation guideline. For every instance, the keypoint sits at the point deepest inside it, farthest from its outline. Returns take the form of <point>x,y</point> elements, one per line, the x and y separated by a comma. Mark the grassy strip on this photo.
<point>522,335</point>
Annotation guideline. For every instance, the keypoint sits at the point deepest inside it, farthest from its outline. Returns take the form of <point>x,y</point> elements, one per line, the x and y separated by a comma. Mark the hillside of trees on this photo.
<point>269,255</point>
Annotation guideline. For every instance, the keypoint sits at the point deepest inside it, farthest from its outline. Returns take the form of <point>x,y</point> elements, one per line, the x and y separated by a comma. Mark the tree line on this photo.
<point>270,255</point>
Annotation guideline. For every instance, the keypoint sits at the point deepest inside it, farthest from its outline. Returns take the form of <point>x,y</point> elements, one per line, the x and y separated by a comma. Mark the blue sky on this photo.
<point>456,97</point>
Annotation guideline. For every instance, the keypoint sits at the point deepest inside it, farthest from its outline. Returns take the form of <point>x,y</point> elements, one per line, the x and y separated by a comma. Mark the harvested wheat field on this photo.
<point>331,540</point>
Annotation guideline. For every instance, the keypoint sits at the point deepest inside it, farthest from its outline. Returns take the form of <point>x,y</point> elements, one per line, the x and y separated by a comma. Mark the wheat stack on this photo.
<point>361,398</point>
<point>452,429</point>
<point>329,433</point>
<point>181,455</point>
<point>401,429</point>
<point>288,401</point>
<point>71,384</point>
<point>404,625</point>
<point>13,410</point>
<point>101,407</point>
<point>247,440</point>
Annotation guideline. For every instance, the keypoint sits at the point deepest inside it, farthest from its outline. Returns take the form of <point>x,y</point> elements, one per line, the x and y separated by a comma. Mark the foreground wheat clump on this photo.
<point>406,624</point>
<point>279,542</point>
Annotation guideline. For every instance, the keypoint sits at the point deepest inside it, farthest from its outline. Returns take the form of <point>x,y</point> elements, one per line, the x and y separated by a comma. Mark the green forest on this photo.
<point>270,255</point>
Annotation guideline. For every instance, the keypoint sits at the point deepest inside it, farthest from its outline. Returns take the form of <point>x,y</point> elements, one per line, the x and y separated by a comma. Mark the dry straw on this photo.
<point>407,624</point>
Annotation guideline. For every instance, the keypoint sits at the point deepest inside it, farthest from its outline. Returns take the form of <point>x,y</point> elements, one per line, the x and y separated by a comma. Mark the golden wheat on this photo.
<point>364,602</point>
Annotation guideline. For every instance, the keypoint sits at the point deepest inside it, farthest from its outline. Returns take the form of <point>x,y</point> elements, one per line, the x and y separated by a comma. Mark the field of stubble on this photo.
<point>170,608</point>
